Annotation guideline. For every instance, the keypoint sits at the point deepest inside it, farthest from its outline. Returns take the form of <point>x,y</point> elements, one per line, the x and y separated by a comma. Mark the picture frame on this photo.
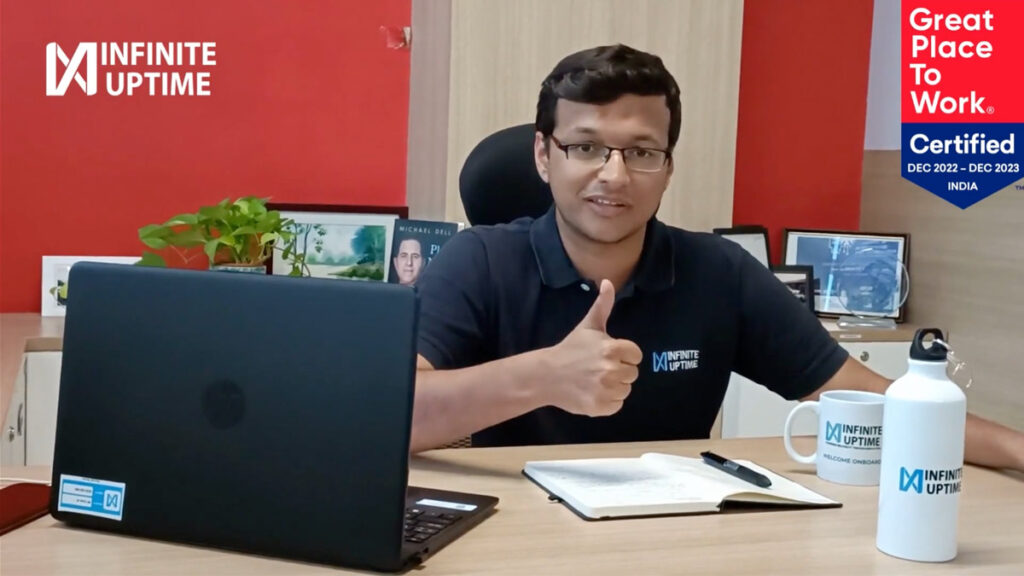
<point>415,244</point>
<point>55,286</point>
<point>754,238</point>
<point>864,274</point>
<point>799,280</point>
<point>340,241</point>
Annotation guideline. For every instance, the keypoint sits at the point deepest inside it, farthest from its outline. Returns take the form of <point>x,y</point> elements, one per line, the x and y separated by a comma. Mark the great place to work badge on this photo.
<point>962,96</point>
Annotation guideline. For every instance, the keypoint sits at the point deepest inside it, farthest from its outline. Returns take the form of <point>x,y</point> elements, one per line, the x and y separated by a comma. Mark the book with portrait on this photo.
<point>658,484</point>
<point>414,244</point>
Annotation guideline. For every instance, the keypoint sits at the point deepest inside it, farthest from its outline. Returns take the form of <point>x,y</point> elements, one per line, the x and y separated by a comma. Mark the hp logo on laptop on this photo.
<point>223,404</point>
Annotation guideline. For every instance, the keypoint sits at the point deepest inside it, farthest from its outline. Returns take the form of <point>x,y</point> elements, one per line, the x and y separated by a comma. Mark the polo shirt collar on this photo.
<point>655,271</point>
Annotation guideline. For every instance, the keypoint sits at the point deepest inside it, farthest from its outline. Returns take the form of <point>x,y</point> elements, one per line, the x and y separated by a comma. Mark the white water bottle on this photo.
<point>922,458</point>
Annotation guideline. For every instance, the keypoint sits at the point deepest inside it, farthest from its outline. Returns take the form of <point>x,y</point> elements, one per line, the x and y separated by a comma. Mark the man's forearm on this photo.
<point>452,404</point>
<point>994,445</point>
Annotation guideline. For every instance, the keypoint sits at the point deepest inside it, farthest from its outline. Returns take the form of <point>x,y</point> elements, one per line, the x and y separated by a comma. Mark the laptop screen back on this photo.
<point>260,413</point>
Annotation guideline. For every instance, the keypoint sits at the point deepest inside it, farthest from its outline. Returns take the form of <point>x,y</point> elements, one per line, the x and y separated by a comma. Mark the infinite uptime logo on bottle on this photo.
<point>962,97</point>
<point>931,481</point>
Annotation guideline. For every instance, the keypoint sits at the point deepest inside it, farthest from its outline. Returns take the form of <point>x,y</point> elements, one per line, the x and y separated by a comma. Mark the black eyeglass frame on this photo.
<point>609,149</point>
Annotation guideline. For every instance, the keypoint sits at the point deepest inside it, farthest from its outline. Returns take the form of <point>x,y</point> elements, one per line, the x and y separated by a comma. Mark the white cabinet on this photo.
<point>12,445</point>
<point>42,384</point>
<point>30,427</point>
<point>751,410</point>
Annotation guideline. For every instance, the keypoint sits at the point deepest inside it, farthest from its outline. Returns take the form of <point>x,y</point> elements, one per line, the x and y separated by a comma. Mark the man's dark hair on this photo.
<point>603,74</point>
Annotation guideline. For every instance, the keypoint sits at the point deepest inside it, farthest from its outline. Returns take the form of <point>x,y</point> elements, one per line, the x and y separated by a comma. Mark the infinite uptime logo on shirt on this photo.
<point>131,68</point>
<point>674,361</point>
<point>962,97</point>
<point>931,481</point>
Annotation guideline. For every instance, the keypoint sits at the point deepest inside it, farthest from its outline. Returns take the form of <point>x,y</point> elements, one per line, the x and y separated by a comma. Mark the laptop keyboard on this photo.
<point>422,525</point>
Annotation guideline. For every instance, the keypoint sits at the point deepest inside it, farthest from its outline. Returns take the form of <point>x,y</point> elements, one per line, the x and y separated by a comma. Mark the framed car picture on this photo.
<point>854,273</point>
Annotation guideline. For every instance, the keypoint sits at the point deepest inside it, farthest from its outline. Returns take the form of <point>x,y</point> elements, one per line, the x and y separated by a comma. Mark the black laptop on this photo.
<point>258,413</point>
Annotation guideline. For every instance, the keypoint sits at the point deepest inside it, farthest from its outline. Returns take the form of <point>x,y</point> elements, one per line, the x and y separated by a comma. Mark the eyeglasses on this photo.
<point>635,158</point>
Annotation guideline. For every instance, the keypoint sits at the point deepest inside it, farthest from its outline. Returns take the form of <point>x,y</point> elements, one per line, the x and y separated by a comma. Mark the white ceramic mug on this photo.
<point>849,436</point>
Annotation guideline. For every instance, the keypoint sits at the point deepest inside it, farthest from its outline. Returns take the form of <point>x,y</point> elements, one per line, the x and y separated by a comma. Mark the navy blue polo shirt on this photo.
<point>697,305</point>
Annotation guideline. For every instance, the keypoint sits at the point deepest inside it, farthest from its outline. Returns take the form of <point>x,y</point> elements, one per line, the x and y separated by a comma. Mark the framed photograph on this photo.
<point>855,273</point>
<point>799,280</point>
<point>339,241</point>
<point>753,238</point>
<point>55,290</point>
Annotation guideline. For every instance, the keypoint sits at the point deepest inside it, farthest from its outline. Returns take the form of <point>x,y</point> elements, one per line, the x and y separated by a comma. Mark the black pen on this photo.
<point>741,472</point>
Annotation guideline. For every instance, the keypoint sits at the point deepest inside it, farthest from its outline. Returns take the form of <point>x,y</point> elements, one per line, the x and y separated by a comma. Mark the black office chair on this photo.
<point>499,181</point>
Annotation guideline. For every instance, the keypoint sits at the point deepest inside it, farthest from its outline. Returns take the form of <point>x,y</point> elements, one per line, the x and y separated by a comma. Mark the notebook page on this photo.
<point>719,485</point>
<point>619,486</point>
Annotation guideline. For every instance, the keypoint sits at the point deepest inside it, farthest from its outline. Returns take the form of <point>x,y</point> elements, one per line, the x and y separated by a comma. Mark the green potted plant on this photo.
<point>238,236</point>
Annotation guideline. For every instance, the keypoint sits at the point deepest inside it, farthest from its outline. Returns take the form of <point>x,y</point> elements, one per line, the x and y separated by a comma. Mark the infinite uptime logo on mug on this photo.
<point>853,435</point>
<point>849,444</point>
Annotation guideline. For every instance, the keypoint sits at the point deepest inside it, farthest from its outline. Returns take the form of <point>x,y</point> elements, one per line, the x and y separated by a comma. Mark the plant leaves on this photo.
<point>152,231</point>
<point>211,248</point>
<point>187,238</point>
<point>151,259</point>
<point>180,219</point>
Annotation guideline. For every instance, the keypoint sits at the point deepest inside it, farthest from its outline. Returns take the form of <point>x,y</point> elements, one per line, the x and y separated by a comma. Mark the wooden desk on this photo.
<point>529,535</point>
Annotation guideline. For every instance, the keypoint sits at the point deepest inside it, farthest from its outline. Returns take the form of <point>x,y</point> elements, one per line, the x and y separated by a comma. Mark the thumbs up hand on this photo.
<point>597,317</point>
<point>590,372</point>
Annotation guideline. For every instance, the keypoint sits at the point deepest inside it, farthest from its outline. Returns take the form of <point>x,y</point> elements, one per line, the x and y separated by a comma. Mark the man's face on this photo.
<point>608,202</point>
<point>409,261</point>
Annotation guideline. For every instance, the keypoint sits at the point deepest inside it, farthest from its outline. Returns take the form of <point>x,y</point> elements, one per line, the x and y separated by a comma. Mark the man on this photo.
<point>409,261</point>
<point>596,322</point>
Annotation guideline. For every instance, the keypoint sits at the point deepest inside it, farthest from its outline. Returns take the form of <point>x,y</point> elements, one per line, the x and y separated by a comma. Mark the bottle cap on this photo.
<point>934,352</point>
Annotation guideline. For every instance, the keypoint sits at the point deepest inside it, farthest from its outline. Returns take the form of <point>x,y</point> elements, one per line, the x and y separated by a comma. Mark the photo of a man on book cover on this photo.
<point>408,261</point>
<point>414,244</point>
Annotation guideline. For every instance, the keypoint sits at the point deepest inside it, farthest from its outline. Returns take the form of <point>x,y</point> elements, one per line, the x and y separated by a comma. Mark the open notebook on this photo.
<point>658,484</point>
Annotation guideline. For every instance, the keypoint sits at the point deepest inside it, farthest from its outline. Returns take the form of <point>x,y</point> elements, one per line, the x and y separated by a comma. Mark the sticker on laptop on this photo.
<point>91,496</point>
<point>449,505</point>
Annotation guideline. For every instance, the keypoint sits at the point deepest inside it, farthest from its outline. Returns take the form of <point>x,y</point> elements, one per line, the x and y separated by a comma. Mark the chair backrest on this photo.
<point>499,181</point>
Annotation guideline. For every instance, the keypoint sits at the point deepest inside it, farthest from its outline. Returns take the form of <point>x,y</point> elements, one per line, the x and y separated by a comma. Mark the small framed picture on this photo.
<point>415,244</point>
<point>855,273</point>
<point>799,280</point>
<point>55,290</point>
<point>753,238</point>
<point>339,241</point>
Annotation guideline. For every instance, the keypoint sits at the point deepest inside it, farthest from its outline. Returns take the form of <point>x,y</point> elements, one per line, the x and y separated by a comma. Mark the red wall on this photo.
<point>307,105</point>
<point>802,104</point>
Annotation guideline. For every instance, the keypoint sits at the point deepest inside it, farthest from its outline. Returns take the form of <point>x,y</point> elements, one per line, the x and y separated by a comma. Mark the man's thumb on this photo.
<point>597,317</point>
